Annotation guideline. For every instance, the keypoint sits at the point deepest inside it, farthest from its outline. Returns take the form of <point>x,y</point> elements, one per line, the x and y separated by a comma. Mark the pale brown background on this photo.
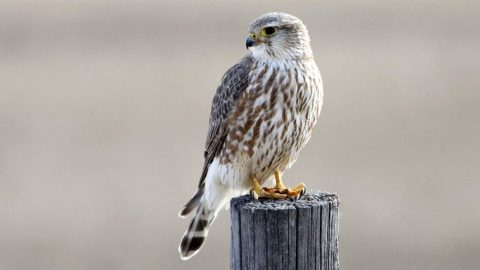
<point>104,109</point>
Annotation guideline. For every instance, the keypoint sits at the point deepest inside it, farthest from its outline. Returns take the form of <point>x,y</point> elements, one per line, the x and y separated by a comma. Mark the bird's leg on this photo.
<point>278,181</point>
<point>259,192</point>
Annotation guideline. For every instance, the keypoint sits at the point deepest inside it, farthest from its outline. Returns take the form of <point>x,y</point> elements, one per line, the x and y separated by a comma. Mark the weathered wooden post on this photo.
<point>285,234</point>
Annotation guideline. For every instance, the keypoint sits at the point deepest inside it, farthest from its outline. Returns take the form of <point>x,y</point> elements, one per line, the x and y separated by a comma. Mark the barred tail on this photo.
<point>197,232</point>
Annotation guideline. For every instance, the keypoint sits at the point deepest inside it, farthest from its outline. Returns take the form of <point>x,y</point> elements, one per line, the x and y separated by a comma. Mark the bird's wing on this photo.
<point>234,82</point>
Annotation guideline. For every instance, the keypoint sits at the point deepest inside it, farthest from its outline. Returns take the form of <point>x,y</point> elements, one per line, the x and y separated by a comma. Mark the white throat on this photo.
<point>279,57</point>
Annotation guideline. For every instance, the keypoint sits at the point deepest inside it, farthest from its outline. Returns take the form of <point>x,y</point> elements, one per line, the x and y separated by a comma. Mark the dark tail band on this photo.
<point>196,234</point>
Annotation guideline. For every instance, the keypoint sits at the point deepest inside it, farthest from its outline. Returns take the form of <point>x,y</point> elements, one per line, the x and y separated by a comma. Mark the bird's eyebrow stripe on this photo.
<point>265,22</point>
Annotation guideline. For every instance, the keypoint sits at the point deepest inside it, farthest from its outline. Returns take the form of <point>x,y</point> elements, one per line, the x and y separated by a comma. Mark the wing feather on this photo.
<point>234,83</point>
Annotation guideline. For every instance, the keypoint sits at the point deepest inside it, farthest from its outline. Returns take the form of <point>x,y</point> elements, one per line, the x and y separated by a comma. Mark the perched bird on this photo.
<point>262,115</point>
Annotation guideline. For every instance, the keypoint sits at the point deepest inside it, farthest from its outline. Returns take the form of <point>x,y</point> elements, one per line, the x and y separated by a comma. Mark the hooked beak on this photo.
<point>250,42</point>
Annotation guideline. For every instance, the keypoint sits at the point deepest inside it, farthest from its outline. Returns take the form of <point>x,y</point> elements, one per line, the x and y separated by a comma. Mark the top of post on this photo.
<point>308,199</point>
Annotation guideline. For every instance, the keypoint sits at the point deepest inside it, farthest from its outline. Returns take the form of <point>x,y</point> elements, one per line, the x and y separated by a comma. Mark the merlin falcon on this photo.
<point>262,115</point>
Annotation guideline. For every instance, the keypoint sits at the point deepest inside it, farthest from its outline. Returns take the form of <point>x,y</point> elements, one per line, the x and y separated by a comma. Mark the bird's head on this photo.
<point>278,36</point>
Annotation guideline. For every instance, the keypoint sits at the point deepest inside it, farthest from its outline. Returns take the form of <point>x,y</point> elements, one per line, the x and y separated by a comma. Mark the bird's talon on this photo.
<point>303,192</point>
<point>298,191</point>
<point>279,191</point>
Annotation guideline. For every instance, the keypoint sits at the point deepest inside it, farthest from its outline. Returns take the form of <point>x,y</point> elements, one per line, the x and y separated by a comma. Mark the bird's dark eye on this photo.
<point>269,31</point>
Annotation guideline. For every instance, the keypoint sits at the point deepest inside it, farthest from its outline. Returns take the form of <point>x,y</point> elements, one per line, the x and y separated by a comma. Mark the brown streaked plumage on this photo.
<point>262,115</point>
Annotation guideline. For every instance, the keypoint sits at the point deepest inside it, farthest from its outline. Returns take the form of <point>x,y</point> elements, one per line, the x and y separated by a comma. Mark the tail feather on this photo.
<point>192,204</point>
<point>210,198</point>
<point>197,232</point>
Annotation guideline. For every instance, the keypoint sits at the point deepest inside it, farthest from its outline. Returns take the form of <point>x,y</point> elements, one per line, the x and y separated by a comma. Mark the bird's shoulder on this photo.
<point>234,82</point>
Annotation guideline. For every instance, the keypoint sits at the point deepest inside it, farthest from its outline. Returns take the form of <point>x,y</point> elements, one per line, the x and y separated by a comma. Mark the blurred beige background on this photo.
<point>104,109</point>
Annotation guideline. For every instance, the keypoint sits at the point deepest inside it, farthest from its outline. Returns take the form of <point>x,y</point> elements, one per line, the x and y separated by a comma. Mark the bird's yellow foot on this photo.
<point>259,192</point>
<point>277,192</point>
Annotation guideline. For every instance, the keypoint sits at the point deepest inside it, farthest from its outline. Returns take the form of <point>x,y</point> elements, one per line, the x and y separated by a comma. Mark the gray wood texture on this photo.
<point>285,234</point>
